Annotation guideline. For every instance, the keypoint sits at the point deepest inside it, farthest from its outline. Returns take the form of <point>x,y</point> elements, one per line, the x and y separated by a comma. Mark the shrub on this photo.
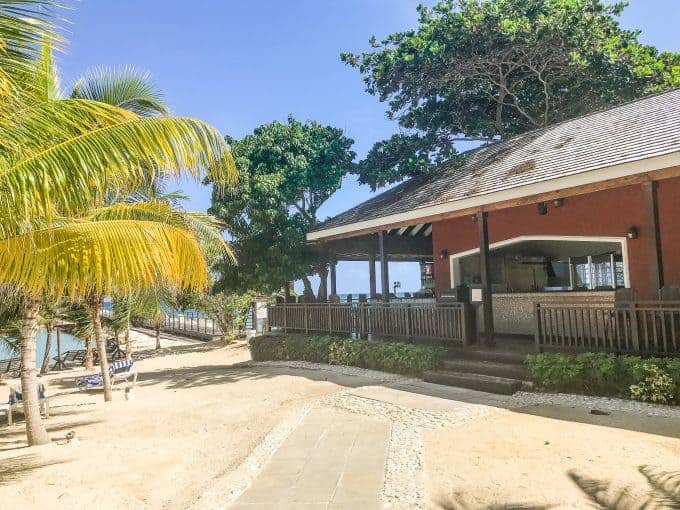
<point>650,379</point>
<point>393,357</point>
<point>656,386</point>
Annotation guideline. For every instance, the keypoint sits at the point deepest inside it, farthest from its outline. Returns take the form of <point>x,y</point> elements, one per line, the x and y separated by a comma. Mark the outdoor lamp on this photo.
<point>632,233</point>
<point>542,208</point>
<point>444,254</point>
<point>558,202</point>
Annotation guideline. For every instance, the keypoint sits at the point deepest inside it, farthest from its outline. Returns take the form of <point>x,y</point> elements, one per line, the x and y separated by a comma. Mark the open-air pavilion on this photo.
<point>546,234</point>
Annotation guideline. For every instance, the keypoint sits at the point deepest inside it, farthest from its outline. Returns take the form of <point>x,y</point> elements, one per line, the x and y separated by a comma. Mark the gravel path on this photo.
<point>404,484</point>
<point>524,399</point>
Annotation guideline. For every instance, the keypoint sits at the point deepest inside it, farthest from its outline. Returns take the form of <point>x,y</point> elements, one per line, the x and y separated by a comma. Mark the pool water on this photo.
<point>68,342</point>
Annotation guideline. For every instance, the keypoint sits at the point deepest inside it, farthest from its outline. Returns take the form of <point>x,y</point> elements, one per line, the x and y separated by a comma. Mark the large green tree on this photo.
<point>489,69</point>
<point>287,171</point>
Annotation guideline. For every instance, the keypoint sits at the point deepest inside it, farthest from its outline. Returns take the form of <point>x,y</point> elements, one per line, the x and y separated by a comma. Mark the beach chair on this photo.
<point>10,367</point>
<point>118,371</point>
<point>113,350</point>
<point>16,401</point>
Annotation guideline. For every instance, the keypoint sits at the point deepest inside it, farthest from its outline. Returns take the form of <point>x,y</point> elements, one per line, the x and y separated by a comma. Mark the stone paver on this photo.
<point>334,460</point>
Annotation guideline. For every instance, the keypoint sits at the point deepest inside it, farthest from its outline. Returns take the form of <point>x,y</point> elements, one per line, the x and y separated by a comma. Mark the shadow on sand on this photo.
<point>14,469</point>
<point>663,491</point>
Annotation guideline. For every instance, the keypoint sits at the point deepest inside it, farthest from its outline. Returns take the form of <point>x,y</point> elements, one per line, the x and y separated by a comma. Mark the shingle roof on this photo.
<point>637,130</point>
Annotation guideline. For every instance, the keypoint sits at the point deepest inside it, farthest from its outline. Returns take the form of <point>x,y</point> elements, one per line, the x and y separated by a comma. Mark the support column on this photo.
<point>651,234</point>
<point>384,272</point>
<point>334,286</point>
<point>487,303</point>
<point>371,275</point>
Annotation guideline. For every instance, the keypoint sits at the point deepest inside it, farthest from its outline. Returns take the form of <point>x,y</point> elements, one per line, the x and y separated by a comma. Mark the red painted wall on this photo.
<point>604,213</point>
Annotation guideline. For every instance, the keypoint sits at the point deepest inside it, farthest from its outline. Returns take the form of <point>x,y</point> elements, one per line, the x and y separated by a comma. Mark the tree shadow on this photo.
<point>17,434</point>
<point>215,375</point>
<point>14,469</point>
<point>663,491</point>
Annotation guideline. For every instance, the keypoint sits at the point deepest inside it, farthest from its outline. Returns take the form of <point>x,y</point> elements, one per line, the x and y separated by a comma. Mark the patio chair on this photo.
<point>118,371</point>
<point>16,402</point>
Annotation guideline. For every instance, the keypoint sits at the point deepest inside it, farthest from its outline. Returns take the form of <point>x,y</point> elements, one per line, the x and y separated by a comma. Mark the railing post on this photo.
<point>285,317</point>
<point>305,309</point>
<point>408,322</point>
<point>537,324</point>
<point>634,327</point>
<point>330,317</point>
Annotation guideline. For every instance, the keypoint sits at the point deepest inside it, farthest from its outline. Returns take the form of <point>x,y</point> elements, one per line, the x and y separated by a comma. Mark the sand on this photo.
<point>196,415</point>
<point>522,457</point>
<point>190,419</point>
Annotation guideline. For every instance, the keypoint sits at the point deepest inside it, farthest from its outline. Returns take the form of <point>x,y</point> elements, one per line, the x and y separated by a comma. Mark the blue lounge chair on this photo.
<point>16,402</point>
<point>118,370</point>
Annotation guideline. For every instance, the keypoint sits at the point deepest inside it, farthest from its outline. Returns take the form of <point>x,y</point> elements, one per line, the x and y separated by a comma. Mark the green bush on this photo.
<point>647,379</point>
<point>393,357</point>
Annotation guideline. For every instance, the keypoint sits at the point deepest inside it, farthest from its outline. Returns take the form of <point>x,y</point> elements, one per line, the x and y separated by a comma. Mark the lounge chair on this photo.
<point>10,367</point>
<point>16,402</point>
<point>118,371</point>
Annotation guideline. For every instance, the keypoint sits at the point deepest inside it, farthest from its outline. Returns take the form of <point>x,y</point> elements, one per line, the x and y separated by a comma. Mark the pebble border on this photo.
<point>404,471</point>
<point>404,485</point>
<point>229,487</point>
<point>525,399</point>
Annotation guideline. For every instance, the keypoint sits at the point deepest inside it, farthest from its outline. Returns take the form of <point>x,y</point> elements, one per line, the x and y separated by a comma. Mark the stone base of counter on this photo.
<point>513,314</point>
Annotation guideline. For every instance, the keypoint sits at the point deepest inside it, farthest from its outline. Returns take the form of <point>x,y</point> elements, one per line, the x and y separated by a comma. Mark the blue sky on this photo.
<point>240,64</point>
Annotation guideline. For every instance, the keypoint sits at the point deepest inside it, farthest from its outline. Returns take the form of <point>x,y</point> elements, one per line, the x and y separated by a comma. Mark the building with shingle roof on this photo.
<point>577,209</point>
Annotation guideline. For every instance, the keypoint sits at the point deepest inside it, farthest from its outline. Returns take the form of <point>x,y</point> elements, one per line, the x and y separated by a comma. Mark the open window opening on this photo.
<point>547,264</point>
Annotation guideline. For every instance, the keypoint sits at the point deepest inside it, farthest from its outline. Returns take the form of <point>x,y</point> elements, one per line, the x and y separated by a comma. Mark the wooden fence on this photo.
<point>636,327</point>
<point>435,321</point>
<point>189,323</point>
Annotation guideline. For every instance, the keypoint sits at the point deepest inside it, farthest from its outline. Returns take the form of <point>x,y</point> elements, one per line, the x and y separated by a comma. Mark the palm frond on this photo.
<point>103,257</point>
<point>63,175</point>
<point>207,229</point>
<point>78,314</point>
<point>665,486</point>
<point>24,26</point>
<point>127,88</point>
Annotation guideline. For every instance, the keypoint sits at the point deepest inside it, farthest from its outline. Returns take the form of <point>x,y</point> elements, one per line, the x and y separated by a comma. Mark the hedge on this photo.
<point>647,379</point>
<point>399,358</point>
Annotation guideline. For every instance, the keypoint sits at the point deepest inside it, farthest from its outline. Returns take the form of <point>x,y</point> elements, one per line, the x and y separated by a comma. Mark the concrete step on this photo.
<point>494,355</point>
<point>495,368</point>
<point>479,382</point>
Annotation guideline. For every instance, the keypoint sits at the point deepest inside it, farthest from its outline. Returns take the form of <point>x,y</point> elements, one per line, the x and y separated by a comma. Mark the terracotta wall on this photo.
<point>605,213</point>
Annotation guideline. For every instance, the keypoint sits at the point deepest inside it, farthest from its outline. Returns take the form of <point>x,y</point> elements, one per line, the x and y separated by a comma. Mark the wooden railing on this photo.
<point>636,327</point>
<point>436,321</point>
<point>178,323</point>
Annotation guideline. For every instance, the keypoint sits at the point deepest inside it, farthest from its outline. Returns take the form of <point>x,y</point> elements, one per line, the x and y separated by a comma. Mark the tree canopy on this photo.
<point>489,69</point>
<point>287,171</point>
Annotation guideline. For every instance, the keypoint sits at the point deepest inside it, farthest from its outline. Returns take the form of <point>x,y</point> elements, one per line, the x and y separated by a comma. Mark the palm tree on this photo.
<point>61,157</point>
<point>49,315</point>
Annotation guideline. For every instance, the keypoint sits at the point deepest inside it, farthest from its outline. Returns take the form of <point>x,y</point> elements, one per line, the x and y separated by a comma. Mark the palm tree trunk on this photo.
<point>45,368</point>
<point>158,335</point>
<point>35,428</point>
<point>89,357</point>
<point>95,305</point>
<point>128,344</point>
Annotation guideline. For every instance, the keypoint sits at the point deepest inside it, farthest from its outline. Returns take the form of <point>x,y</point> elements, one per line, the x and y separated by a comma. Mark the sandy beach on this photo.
<point>198,414</point>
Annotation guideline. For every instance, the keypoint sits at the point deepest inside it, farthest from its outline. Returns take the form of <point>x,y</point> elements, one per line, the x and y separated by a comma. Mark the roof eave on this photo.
<point>591,176</point>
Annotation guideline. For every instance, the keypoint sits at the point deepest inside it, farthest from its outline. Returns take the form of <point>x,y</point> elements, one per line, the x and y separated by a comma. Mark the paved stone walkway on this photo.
<point>334,460</point>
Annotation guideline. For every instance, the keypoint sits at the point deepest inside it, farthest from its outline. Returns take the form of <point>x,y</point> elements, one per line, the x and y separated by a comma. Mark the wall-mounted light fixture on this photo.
<point>444,254</point>
<point>558,202</point>
<point>632,233</point>
<point>473,217</point>
<point>542,208</point>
